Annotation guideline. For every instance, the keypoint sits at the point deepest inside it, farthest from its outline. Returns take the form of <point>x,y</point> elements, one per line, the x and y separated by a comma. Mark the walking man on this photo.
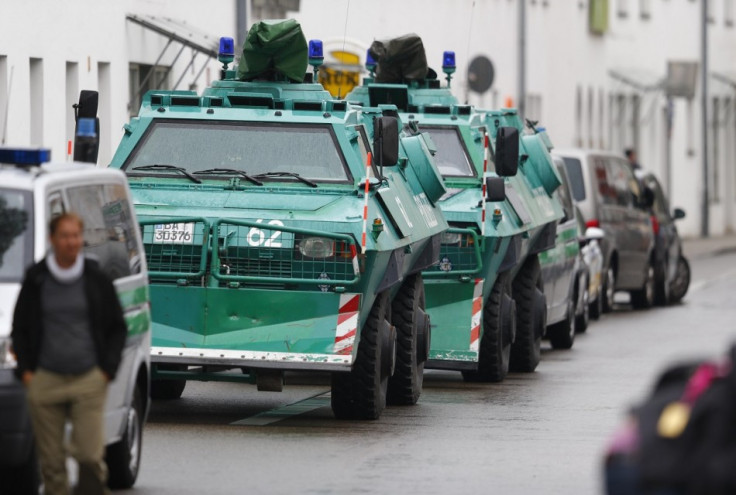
<point>631,155</point>
<point>68,337</point>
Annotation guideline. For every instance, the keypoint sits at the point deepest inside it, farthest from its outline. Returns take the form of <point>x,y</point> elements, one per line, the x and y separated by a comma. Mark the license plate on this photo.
<point>173,233</point>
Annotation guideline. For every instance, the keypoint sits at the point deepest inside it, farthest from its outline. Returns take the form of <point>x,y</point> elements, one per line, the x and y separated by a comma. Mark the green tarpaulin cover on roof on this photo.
<point>274,47</point>
<point>400,60</point>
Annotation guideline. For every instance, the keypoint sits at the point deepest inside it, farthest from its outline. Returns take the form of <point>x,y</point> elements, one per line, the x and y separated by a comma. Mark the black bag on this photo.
<point>400,60</point>
<point>687,430</point>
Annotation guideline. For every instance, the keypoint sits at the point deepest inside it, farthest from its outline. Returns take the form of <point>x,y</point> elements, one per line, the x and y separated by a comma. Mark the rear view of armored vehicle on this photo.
<point>484,296</point>
<point>284,230</point>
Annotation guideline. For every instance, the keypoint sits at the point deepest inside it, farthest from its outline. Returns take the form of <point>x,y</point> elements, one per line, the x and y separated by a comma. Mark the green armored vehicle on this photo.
<point>485,296</point>
<point>284,230</point>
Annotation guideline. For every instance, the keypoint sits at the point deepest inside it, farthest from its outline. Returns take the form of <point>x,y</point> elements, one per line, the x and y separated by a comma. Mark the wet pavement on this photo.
<point>537,433</point>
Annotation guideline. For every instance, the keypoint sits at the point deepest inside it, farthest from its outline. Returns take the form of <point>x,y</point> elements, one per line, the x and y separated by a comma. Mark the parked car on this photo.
<point>564,274</point>
<point>610,197</point>
<point>672,274</point>
<point>30,196</point>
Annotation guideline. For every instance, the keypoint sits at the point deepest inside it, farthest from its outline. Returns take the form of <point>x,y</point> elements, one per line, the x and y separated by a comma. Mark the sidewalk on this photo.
<point>697,247</point>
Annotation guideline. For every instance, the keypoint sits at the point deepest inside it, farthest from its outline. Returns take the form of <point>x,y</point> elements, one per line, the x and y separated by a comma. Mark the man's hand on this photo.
<point>27,377</point>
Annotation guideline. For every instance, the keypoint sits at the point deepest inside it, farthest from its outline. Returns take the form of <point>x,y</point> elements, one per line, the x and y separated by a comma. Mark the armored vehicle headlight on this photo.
<point>317,247</point>
<point>7,358</point>
<point>451,238</point>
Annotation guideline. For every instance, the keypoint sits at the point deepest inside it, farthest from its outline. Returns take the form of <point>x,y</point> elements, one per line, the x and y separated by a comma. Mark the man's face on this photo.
<point>67,240</point>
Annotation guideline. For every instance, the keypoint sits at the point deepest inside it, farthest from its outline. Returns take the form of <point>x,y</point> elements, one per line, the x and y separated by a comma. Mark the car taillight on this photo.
<point>593,223</point>
<point>655,224</point>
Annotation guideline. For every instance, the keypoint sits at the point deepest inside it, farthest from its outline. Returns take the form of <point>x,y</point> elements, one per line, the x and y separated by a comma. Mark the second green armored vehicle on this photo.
<point>485,296</point>
<point>284,230</point>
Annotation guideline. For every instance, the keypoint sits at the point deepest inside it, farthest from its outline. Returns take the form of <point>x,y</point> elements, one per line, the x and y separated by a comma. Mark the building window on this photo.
<point>142,78</point>
<point>601,121</point>
<point>714,194</point>
<point>622,8</point>
<point>72,88</point>
<point>36,110</point>
<point>579,117</point>
<point>645,9</point>
<point>103,111</point>
<point>590,123</point>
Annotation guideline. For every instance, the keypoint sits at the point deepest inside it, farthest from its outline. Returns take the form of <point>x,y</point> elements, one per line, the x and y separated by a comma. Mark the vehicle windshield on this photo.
<point>254,148</point>
<point>451,158</point>
<point>16,234</point>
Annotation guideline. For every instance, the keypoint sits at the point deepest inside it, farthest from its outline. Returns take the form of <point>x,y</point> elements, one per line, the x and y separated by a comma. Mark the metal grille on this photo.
<point>272,252</point>
<point>175,250</point>
<point>459,253</point>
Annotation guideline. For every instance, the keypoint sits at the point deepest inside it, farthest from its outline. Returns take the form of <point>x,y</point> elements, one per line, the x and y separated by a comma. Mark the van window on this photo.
<point>625,185</point>
<point>606,192</point>
<point>563,195</point>
<point>575,174</point>
<point>109,233</point>
<point>16,234</point>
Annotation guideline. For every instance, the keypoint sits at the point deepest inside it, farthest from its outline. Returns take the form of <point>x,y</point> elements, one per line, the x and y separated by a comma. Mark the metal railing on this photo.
<point>460,254</point>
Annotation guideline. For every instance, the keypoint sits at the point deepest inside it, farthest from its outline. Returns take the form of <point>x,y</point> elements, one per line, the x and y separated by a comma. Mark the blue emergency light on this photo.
<point>448,61</point>
<point>86,127</point>
<point>370,62</point>
<point>315,50</point>
<point>25,156</point>
<point>227,50</point>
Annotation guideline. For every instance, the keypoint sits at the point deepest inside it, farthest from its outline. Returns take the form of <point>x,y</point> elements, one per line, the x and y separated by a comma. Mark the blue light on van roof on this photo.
<point>369,60</point>
<point>448,60</point>
<point>226,53</point>
<point>25,156</point>
<point>315,49</point>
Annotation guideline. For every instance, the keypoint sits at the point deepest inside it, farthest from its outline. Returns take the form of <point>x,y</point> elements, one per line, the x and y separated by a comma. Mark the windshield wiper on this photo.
<point>169,167</point>
<point>229,171</point>
<point>288,174</point>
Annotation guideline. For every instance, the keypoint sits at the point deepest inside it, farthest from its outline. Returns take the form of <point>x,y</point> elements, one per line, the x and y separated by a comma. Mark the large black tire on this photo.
<point>562,334</point>
<point>361,393</point>
<point>22,479</point>
<point>661,286</point>
<point>405,386</point>
<point>124,457</point>
<point>164,389</point>
<point>609,289</point>
<point>499,328</point>
<point>644,298</point>
<point>582,317</point>
<point>531,317</point>
<point>680,284</point>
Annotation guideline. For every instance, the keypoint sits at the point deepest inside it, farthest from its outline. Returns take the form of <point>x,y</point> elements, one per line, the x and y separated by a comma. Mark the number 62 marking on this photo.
<point>257,237</point>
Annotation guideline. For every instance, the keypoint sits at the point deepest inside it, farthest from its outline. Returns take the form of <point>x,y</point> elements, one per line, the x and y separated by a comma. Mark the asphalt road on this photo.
<point>537,433</point>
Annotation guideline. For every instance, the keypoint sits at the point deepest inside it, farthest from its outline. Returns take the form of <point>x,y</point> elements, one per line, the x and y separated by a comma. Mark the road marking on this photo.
<point>285,412</point>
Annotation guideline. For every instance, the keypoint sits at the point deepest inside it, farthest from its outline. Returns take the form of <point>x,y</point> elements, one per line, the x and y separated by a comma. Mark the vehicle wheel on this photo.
<point>405,386</point>
<point>661,286</point>
<point>644,297</point>
<point>499,328</point>
<point>22,479</point>
<point>582,317</point>
<point>361,393</point>
<point>164,389</point>
<point>680,284</point>
<point>531,317</point>
<point>124,457</point>
<point>562,334</point>
<point>609,289</point>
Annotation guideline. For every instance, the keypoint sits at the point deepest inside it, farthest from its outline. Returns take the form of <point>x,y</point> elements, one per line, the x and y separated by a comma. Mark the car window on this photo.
<point>624,184</point>
<point>563,194</point>
<point>606,192</point>
<point>16,233</point>
<point>109,233</point>
<point>660,206</point>
<point>452,157</point>
<point>575,174</point>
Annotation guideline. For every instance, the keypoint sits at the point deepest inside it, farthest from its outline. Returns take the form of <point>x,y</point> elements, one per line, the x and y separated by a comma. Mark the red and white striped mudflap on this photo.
<point>347,323</point>
<point>477,318</point>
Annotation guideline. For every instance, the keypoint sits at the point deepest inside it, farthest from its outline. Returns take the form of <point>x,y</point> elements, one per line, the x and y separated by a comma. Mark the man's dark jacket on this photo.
<point>107,322</point>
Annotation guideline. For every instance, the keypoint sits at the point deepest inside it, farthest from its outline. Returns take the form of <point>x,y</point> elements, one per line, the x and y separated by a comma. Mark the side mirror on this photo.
<point>495,189</point>
<point>87,128</point>
<point>386,140</point>
<point>507,151</point>
<point>596,233</point>
<point>678,213</point>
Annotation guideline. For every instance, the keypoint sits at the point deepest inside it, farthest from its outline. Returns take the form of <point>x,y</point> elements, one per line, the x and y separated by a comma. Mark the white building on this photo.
<point>601,89</point>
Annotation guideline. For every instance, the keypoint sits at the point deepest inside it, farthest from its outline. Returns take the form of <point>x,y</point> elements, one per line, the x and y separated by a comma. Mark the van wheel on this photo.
<point>124,457</point>
<point>661,286</point>
<point>562,334</point>
<point>361,393</point>
<point>679,286</point>
<point>609,289</point>
<point>499,329</point>
<point>405,386</point>
<point>644,298</point>
<point>165,389</point>
<point>531,317</point>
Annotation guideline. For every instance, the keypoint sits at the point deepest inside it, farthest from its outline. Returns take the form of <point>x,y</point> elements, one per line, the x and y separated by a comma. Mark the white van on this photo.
<point>31,194</point>
<point>611,197</point>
